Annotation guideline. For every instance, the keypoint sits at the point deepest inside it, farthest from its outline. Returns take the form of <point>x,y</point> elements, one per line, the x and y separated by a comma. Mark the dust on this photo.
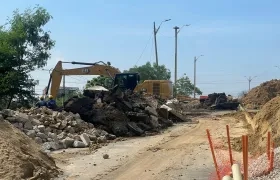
<point>261,94</point>
<point>21,157</point>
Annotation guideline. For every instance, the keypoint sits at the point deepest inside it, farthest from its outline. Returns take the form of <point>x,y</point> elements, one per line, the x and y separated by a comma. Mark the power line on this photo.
<point>144,48</point>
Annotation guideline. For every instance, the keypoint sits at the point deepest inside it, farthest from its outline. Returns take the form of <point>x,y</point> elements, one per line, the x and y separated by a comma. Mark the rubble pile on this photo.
<point>261,94</point>
<point>56,130</point>
<point>21,157</point>
<point>125,115</point>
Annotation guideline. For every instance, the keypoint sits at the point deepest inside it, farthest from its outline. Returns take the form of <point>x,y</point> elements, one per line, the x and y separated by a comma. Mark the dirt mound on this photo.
<point>268,119</point>
<point>261,94</point>
<point>21,157</point>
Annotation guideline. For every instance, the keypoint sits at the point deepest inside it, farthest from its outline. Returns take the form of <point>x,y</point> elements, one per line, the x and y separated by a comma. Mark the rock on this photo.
<point>60,116</point>
<point>1,117</point>
<point>78,144</point>
<point>92,137</point>
<point>77,138</point>
<point>134,128</point>
<point>61,136</point>
<point>31,133</point>
<point>144,126</point>
<point>56,126</point>
<point>12,119</point>
<point>151,111</point>
<point>110,136</point>
<point>63,124</point>
<point>163,112</point>
<point>84,137</point>
<point>51,146</point>
<point>7,113</point>
<point>154,121</point>
<point>42,135</point>
<point>28,125</point>
<point>70,129</point>
<point>38,140</point>
<point>18,125</point>
<point>67,142</point>
<point>101,139</point>
<point>41,128</point>
<point>119,128</point>
<point>90,125</point>
<point>52,136</point>
<point>106,156</point>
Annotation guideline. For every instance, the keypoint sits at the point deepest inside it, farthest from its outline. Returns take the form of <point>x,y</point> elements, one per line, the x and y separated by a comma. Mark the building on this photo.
<point>68,90</point>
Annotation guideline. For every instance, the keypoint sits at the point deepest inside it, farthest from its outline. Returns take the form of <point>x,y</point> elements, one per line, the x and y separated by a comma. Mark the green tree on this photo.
<point>100,81</point>
<point>24,46</point>
<point>151,72</point>
<point>185,87</point>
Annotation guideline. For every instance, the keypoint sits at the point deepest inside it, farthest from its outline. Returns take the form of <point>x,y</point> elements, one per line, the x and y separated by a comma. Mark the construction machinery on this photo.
<point>219,101</point>
<point>124,81</point>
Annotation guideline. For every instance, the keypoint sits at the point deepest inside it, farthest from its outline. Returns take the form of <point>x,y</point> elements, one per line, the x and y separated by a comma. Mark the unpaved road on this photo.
<point>182,152</point>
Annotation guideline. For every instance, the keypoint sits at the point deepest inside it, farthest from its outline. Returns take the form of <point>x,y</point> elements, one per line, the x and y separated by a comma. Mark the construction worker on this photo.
<point>41,102</point>
<point>51,104</point>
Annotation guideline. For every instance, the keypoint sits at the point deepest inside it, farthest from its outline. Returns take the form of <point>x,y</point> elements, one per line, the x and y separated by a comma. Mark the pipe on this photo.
<point>227,178</point>
<point>236,173</point>
<point>229,146</point>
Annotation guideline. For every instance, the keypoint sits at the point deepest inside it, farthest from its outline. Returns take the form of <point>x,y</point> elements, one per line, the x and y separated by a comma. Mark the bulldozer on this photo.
<point>123,81</point>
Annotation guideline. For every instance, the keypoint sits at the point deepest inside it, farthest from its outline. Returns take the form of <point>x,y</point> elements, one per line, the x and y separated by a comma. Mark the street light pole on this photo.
<point>194,81</point>
<point>177,30</point>
<point>155,37</point>
<point>250,80</point>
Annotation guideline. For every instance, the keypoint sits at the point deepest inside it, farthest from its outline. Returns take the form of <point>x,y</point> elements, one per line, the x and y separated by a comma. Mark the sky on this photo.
<point>237,38</point>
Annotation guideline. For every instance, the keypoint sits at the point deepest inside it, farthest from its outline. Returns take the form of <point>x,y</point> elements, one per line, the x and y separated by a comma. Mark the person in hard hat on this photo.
<point>51,104</point>
<point>41,102</point>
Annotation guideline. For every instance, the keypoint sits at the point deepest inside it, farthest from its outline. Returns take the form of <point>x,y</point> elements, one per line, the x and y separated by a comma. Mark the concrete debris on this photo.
<point>128,115</point>
<point>106,156</point>
<point>55,130</point>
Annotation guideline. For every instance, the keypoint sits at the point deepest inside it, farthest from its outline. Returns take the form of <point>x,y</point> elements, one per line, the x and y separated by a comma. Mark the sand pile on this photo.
<point>268,119</point>
<point>21,157</point>
<point>261,94</point>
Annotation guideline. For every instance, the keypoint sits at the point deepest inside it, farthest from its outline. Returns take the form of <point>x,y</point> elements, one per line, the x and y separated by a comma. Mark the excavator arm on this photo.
<point>99,68</point>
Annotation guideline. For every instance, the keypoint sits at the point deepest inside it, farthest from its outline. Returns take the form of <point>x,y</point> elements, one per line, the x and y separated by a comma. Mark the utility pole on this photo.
<point>63,97</point>
<point>194,71</point>
<point>176,35</point>
<point>155,37</point>
<point>250,80</point>
<point>177,30</point>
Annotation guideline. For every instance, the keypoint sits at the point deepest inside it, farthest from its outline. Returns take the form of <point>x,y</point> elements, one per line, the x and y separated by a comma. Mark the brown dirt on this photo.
<point>267,119</point>
<point>21,157</point>
<point>261,94</point>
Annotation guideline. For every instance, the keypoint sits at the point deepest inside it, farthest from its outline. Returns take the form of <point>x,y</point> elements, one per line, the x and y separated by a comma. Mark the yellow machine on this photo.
<point>163,88</point>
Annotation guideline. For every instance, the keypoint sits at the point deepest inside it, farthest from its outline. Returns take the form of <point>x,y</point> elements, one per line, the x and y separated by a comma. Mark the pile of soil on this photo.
<point>261,94</point>
<point>268,119</point>
<point>21,157</point>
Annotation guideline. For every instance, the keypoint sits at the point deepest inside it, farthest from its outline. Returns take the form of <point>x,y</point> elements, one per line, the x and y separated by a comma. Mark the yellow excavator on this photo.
<point>161,88</point>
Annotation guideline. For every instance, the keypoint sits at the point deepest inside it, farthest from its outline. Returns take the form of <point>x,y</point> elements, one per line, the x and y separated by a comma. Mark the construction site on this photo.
<point>125,121</point>
<point>139,136</point>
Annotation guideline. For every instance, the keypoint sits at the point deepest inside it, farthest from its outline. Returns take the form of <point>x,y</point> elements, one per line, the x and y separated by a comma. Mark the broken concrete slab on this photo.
<point>79,144</point>
<point>84,137</point>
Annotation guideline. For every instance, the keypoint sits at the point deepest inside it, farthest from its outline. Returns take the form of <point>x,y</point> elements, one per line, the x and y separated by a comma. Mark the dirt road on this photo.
<point>181,152</point>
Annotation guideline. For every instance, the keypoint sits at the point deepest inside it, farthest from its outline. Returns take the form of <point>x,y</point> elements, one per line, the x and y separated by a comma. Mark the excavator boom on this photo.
<point>99,68</point>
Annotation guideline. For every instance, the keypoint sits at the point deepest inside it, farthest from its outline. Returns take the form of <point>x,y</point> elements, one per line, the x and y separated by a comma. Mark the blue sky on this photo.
<point>237,38</point>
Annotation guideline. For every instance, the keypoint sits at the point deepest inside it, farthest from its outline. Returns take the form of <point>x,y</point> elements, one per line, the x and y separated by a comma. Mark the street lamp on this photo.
<point>194,81</point>
<point>155,37</point>
<point>250,80</point>
<point>177,30</point>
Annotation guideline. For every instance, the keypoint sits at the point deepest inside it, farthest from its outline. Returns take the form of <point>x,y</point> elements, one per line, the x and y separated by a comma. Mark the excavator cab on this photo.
<point>127,80</point>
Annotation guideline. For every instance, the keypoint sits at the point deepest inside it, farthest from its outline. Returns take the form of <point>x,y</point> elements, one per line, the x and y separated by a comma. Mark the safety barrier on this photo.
<point>226,165</point>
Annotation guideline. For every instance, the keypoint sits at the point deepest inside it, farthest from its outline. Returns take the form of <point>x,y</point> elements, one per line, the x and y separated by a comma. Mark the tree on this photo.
<point>100,81</point>
<point>24,46</point>
<point>151,72</point>
<point>185,87</point>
